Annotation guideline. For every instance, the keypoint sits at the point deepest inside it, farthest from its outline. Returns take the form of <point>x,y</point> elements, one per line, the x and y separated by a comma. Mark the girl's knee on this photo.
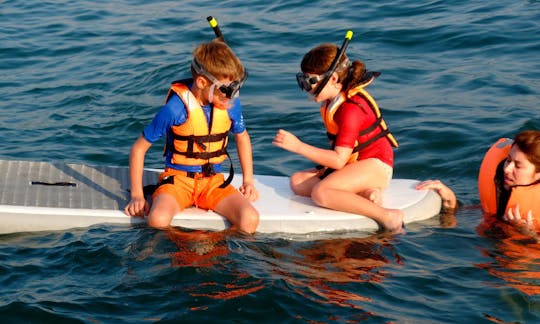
<point>302,182</point>
<point>318,195</point>
<point>295,181</point>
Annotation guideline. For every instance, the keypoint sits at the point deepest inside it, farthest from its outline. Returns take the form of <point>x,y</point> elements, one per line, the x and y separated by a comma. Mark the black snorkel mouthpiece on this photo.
<point>341,51</point>
<point>214,24</point>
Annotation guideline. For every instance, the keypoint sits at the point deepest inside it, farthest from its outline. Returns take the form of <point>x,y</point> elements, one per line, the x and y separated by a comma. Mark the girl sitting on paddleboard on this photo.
<point>353,173</point>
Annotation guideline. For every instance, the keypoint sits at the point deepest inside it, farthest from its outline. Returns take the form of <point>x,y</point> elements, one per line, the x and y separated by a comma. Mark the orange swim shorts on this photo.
<point>200,191</point>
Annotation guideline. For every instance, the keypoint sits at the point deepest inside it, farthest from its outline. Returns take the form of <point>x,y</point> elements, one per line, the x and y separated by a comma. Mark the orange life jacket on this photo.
<point>375,131</point>
<point>527,197</point>
<point>194,142</point>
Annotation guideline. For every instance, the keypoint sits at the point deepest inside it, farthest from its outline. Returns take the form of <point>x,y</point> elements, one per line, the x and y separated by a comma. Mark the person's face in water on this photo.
<point>518,170</point>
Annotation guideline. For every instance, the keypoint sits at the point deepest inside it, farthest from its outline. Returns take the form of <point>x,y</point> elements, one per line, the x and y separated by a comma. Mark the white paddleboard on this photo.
<point>43,196</point>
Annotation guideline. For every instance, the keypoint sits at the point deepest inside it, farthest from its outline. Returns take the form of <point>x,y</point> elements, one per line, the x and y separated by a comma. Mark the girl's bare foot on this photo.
<point>394,221</point>
<point>374,195</point>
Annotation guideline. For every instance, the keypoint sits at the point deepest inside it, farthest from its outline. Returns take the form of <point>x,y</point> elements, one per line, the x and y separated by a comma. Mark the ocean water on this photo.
<point>80,79</point>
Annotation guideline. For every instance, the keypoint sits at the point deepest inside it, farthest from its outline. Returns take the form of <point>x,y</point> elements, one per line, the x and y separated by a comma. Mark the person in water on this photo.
<point>353,173</point>
<point>196,119</point>
<point>509,182</point>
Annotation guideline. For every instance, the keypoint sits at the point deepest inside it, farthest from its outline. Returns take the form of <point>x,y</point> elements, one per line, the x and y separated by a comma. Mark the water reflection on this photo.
<point>197,248</point>
<point>325,270</point>
<point>210,250</point>
<point>516,257</point>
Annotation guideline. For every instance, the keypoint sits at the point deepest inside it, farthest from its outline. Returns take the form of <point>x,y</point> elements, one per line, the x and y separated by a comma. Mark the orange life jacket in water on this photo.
<point>527,197</point>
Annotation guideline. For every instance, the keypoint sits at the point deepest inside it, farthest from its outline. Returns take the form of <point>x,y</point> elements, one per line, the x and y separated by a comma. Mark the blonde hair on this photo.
<point>219,60</point>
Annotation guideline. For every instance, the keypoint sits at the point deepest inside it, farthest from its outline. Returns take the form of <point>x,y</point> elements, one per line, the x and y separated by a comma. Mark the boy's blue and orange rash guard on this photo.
<point>186,125</point>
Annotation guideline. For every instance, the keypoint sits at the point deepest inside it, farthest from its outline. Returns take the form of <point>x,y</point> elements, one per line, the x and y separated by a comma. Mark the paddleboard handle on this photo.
<point>341,51</point>
<point>214,24</point>
<point>57,184</point>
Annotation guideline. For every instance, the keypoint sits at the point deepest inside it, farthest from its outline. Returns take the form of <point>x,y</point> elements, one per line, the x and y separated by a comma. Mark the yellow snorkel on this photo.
<point>214,24</point>
<point>341,51</point>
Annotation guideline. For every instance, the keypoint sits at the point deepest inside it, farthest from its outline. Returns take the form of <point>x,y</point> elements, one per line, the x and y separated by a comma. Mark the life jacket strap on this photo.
<point>231,173</point>
<point>373,126</point>
<point>365,144</point>
<point>368,130</point>
<point>199,140</point>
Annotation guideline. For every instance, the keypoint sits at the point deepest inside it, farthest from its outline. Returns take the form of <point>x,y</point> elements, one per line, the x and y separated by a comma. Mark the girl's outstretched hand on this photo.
<point>286,140</point>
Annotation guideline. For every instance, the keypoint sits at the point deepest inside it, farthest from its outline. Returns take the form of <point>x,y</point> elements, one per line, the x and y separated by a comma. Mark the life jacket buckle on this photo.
<point>208,170</point>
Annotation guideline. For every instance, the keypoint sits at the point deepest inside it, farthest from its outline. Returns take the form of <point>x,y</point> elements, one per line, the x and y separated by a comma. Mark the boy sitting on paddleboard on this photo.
<point>196,120</point>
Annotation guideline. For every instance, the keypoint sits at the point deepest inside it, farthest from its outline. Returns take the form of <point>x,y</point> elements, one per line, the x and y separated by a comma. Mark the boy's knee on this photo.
<point>164,207</point>
<point>250,221</point>
<point>159,218</point>
<point>157,222</point>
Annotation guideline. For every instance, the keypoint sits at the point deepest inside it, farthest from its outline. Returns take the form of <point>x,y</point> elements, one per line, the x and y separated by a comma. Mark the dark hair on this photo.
<point>319,59</point>
<point>528,142</point>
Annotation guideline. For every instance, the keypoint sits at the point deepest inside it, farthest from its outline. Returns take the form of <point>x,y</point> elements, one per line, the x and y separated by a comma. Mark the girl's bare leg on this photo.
<point>340,190</point>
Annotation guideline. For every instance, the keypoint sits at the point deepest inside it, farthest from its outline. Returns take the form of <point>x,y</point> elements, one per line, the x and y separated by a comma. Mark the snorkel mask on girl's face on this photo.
<point>306,82</point>
<point>230,91</point>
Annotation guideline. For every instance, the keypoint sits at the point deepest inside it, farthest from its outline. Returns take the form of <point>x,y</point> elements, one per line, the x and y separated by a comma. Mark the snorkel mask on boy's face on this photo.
<point>230,91</point>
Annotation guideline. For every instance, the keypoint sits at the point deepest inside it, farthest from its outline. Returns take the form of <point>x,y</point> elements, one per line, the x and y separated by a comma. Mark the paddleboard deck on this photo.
<point>45,196</point>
